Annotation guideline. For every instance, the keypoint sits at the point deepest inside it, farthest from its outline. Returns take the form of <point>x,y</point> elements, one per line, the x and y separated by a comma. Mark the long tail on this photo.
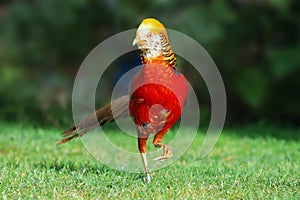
<point>105,114</point>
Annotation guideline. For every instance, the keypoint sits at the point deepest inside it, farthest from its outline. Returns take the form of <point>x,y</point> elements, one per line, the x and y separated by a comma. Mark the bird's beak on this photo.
<point>135,41</point>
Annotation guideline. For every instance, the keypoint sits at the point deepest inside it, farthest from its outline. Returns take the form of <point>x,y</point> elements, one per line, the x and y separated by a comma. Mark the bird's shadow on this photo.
<point>85,168</point>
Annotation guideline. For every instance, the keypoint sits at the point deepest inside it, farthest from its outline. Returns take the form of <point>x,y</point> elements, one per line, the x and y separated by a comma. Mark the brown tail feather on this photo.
<point>70,131</point>
<point>99,117</point>
<point>66,139</point>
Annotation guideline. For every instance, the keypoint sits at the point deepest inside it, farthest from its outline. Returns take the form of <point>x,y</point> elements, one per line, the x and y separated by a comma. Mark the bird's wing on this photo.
<point>107,113</point>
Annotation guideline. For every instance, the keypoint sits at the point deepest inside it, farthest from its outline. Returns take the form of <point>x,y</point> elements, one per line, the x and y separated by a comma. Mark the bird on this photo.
<point>155,99</point>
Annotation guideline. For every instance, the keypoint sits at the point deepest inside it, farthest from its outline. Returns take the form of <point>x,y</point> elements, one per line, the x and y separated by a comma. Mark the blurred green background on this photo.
<point>255,44</point>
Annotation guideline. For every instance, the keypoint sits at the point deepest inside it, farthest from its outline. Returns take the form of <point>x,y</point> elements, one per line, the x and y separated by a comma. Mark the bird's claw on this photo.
<point>148,178</point>
<point>167,153</point>
<point>161,158</point>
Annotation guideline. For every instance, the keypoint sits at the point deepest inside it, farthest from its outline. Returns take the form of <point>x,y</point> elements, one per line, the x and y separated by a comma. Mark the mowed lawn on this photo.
<point>256,162</point>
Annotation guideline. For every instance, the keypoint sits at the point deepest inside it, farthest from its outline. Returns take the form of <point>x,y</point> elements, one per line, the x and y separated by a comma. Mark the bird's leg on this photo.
<point>167,149</point>
<point>145,163</point>
<point>142,141</point>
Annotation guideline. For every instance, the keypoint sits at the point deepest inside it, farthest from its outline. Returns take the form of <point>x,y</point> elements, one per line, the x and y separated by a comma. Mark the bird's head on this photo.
<point>151,35</point>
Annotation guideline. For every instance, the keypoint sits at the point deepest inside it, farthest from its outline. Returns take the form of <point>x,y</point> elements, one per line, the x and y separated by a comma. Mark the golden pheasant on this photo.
<point>156,97</point>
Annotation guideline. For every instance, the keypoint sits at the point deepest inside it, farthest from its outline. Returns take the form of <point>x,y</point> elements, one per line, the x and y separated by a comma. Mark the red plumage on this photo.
<point>158,95</point>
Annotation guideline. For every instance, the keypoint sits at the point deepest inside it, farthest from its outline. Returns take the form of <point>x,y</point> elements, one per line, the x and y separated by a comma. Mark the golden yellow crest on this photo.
<point>152,25</point>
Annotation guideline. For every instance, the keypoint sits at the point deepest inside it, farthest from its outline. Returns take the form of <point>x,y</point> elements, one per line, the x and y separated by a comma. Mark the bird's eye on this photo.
<point>149,34</point>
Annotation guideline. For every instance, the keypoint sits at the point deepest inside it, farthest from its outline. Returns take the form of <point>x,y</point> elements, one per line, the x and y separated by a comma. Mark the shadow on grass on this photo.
<point>83,168</point>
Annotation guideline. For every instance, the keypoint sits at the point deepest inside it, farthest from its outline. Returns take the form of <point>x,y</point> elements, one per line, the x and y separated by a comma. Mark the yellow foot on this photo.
<point>167,152</point>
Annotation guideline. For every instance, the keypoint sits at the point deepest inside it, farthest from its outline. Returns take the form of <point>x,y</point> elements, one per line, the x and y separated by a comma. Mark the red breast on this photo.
<point>157,84</point>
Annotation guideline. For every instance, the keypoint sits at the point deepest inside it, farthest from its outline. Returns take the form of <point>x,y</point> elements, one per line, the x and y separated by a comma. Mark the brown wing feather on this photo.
<point>101,116</point>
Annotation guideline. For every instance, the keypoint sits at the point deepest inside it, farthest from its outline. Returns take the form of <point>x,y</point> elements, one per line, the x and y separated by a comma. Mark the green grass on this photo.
<point>258,162</point>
